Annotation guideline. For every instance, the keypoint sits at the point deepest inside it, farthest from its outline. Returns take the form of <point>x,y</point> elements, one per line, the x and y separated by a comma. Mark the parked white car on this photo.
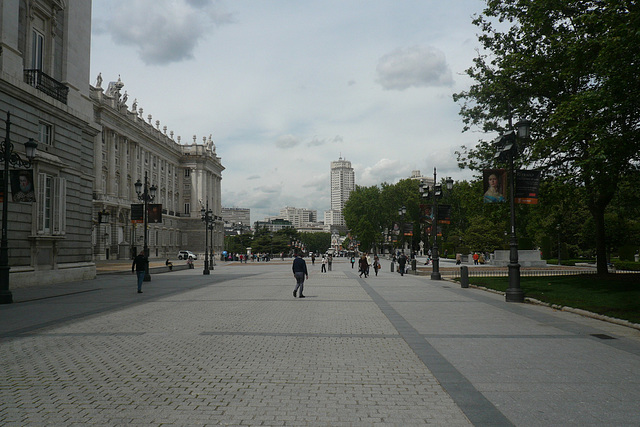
<point>187,255</point>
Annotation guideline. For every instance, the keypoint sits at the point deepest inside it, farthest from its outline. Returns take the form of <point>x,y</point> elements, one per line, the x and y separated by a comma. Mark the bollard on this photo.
<point>464,276</point>
<point>392,266</point>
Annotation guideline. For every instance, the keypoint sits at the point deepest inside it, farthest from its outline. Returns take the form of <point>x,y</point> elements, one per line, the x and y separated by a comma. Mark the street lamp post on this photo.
<point>10,158</point>
<point>146,195</point>
<point>507,149</point>
<point>207,218</point>
<point>401,212</point>
<point>437,192</point>
<point>426,195</point>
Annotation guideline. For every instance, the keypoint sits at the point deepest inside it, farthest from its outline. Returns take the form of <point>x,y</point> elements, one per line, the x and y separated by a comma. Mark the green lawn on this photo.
<point>614,295</point>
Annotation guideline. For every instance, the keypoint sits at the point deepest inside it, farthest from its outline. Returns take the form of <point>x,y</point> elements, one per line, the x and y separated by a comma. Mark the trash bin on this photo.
<point>464,276</point>
<point>392,266</point>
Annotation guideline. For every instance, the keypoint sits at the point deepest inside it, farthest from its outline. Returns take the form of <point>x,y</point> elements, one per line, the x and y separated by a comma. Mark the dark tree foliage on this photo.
<point>316,242</point>
<point>573,68</point>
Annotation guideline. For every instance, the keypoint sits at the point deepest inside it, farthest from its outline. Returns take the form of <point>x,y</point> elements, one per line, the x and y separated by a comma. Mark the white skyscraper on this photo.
<point>343,182</point>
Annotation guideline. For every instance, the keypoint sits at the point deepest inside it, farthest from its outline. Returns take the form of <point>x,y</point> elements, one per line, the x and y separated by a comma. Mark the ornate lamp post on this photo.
<point>401,212</point>
<point>10,158</point>
<point>207,218</point>
<point>146,196</point>
<point>426,195</point>
<point>507,150</point>
<point>437,193</point>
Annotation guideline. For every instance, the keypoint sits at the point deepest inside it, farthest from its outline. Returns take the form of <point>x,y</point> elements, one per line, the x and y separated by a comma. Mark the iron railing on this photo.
<point>455,274</point>
<point>46,84</point>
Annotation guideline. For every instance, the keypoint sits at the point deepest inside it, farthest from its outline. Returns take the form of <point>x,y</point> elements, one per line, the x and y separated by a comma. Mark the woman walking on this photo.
<point>363,266</point>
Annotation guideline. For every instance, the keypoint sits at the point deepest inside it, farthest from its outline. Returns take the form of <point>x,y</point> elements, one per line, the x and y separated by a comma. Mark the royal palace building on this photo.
<point>93,145</point>
<point>131,147</point>
<point>44,96</point>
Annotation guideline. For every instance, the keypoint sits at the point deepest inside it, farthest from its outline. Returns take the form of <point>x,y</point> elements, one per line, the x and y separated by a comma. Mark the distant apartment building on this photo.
<point>342,184</point>
<point>415,175</point>
<point>236,221</point>
<point>272,225</point>
<point>236,216</point>
<point>299,217</point>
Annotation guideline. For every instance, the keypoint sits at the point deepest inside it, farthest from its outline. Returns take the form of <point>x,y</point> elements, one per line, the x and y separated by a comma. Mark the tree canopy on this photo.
<point>572,67</point>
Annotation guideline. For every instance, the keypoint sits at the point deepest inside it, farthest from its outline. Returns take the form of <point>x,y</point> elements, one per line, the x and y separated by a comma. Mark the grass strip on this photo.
<point>613,295</point>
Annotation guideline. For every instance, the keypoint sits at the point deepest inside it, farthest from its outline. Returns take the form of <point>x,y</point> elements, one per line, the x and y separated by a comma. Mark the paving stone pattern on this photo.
<point>235,348</point>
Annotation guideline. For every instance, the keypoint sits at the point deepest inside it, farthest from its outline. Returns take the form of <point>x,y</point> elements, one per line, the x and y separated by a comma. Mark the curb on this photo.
<point>152,270</point>
<point>579,311</point>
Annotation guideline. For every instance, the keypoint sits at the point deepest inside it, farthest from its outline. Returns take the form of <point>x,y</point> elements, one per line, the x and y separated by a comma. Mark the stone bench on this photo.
<point>526,258</point>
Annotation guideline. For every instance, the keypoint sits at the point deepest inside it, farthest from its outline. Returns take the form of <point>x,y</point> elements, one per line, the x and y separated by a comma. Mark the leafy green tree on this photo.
<point>265,241</point>
<point>316,242</point>
<point>572,67</point>
<point>363,215</point>
<point>483,235</point>
<point>372,210</point>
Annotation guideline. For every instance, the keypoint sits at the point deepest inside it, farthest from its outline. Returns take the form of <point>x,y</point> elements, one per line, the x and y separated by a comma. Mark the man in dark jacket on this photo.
<point>300,272</point>
<point>402,263</point>
<point>140,265</point>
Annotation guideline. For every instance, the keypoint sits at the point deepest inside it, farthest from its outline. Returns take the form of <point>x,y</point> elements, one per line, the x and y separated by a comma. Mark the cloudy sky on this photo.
<point>287,86</point>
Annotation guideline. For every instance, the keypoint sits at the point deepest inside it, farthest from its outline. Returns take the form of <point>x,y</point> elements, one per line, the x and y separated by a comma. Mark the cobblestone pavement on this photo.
<point>236,348</point>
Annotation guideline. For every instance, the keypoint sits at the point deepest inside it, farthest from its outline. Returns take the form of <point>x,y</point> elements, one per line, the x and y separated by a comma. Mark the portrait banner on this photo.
<point>22,188</point>
<point>527,185</point>
<point>425,213</point>
<point>495,183</point>
<point>154,214</point>
<point>396,229</point>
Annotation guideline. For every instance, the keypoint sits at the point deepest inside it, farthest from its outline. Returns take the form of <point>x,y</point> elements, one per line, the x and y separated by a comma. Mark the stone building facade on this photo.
<point>187,176</point>
<point>44,75</point>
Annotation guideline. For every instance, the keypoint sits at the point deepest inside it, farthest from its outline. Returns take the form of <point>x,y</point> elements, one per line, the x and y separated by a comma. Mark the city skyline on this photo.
<point>286,87</point>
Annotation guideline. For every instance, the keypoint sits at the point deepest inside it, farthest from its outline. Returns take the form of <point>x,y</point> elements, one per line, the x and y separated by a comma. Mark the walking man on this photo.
<point>140,265</point>
<point>402,262</point>
<point>300,272</point>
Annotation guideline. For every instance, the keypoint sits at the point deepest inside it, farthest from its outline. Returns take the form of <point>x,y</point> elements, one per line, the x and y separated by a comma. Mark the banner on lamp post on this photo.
<point>137,213</point>
<point>22,188</point>
<point>527,186</point>
<point>425,213</point>
<point>408,229</point>
<point>444,214</point>
<point>154,213</point>
<point>495,183</point>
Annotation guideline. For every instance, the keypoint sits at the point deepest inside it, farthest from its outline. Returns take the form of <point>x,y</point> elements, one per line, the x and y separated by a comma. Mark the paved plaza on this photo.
<point>236,348</point>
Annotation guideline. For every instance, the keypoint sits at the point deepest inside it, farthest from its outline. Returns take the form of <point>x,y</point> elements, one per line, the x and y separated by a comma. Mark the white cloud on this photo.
<point>418,66</point>
<point>385,170</point>
<point>162,31</point>
<point>287,141</point>
<point>287,87</point>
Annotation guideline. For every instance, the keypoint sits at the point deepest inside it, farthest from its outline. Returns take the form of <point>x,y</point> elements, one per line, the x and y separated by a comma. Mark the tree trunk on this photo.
<point>597,212</point>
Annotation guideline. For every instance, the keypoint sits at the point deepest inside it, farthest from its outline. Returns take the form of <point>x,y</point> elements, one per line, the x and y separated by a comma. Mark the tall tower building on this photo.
<point>343,182</point>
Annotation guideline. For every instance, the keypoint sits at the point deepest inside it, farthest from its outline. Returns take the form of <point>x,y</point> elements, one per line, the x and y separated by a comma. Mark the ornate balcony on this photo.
<point>46,84</point>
